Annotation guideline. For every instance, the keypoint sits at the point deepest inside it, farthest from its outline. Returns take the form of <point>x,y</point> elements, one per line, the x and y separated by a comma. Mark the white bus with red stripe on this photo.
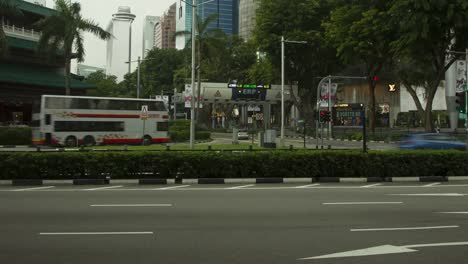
<point>82,120</point>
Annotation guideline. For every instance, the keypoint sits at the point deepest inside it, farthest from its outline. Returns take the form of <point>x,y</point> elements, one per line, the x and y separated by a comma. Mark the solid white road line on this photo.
<point>93,233</point>
<point>429,194</point>
<point>371,185</point>
<point>360,203</point>
<point>431,184</point>
<point>33,189</point>
<point>403,228</point>
<point>103,188</point>
<point>239,187</point>
<point>131,205</point>
<point>453,212</point>
<point>307,186</point>
<point>172,187</point>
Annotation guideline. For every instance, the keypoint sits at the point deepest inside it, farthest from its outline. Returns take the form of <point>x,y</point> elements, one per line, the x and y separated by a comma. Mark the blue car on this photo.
<point>432,141</point>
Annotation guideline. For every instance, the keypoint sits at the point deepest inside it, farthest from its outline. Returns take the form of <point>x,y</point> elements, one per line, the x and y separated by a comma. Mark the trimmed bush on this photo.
<point>15,136</point>
<point>179,130</point>
<point>219,164</point>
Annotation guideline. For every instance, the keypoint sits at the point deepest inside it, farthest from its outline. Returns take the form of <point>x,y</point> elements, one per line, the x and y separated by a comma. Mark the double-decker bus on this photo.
<point>80,120</point>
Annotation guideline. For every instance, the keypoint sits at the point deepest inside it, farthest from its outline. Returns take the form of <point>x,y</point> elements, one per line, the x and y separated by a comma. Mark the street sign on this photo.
<point>461,115</point>
<point>144,112</point>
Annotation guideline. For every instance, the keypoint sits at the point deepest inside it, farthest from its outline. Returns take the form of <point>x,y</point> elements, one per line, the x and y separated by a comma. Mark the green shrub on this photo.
<point>15,136</point>
<point>179,130</point>
<point>219,164</point>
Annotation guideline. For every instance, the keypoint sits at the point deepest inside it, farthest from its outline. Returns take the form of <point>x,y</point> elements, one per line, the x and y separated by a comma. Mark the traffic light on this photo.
<point>460,102</point>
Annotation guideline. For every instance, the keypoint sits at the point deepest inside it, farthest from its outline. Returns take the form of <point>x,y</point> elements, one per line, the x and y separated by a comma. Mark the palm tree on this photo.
<point>64,31</point>
<point>7,8</point>
<point>203,37</point>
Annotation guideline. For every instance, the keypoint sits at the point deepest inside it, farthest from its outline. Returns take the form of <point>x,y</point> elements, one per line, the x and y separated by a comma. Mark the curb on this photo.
<point>265,180</point>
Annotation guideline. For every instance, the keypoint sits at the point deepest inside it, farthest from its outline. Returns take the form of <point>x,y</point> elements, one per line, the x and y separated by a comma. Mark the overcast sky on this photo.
<point>101,12</point>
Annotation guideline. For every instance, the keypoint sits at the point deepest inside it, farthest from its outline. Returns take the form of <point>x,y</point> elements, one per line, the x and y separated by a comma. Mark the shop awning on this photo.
<point>37,75</point>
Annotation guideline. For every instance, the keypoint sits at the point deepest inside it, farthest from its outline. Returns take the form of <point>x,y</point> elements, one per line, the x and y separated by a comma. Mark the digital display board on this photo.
<point>249,86</point>
<point>248,94</point>
<point>348,115</point>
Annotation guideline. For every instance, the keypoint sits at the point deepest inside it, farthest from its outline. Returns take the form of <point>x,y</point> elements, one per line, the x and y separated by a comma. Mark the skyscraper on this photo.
<point>119,46</point>
<point>148,33</point>
<point>227,20</point>
<point>164,31</point>
<point>247,13</point>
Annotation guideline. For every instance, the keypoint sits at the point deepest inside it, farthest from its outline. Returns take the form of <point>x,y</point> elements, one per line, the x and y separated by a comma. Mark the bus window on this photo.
<point>162,126</point>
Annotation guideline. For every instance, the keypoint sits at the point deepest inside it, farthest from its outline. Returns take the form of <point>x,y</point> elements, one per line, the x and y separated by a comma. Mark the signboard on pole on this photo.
<point>461,76</point>
<point>144,112</point>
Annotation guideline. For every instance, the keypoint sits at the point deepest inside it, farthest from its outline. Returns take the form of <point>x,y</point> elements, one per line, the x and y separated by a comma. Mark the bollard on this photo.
<point>125,148</point>
<point>38,149</point>
<point>250,147</point>
<point>209,147</point>
<point>81,148</point>
<point>291,147</point>
<point>168,147</point>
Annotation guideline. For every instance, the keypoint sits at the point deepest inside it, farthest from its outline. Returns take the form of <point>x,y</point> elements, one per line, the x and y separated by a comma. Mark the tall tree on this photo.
<point>362,31</point>
<point>429,31</point>
<point>106,85</point>
<point>8,8</point>
<point>158,69</point>
<point>64,31</point>
<point>297,20</point>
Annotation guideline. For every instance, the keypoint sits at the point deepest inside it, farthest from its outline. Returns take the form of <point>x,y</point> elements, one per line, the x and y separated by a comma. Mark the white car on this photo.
<point>242,134</point>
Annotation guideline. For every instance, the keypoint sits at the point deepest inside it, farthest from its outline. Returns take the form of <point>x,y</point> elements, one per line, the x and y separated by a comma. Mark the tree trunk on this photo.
<point>67,75</point>
<point>372,105</point>
<point>198,82</point>
<point>428,119</point>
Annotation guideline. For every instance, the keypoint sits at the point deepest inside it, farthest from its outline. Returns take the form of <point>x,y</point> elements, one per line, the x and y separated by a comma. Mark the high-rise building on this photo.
<point>148,33</point>
<point>165,30</point>
<point>247,14</point>
<point>119,46</point>
<point>86,70</point>
<point>183,24</point>
<point>227,20</point>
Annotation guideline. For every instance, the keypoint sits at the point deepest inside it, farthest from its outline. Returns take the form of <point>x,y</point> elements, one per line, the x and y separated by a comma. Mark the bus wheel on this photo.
<point>147,140</point>
<point>89,141</point>
<point>70,142</point>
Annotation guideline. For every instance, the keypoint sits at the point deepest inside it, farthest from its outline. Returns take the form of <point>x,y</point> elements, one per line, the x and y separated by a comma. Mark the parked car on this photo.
<point>432,141</point>
<point>242,134</point>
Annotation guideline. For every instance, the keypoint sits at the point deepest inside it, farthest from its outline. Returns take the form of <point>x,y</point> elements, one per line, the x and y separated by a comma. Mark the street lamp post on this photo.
<point>192,97</point>
<point>138,72</point>
<point>282,82</point>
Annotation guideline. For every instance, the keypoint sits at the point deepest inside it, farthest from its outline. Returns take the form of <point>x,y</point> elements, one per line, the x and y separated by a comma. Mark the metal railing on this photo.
<point>21,32</point>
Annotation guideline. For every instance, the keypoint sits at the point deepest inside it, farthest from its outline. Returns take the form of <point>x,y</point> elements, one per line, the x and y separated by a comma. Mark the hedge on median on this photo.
<point>219,164</point>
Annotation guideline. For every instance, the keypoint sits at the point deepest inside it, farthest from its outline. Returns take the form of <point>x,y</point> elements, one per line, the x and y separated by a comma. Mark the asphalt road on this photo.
<point>221,224</point>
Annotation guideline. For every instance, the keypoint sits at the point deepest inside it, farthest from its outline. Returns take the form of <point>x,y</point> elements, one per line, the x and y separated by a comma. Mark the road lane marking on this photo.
<point>383,250</point>
<point>403,228</point>
<point>172,187</point>
<point>431,184</point>
<point>307,186</point>
<point>453,212</point>
<point>360,203</point>
<point>93,233</point>
<point>371,185</point>
<point>103,188</point>
<point>239,187</point>
<point>33,189</point>
<point>429,194</point>
<point>131,205</point>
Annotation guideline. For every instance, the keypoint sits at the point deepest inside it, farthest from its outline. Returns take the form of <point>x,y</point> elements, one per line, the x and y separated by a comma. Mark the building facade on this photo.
<point>149,24</point>
<point>26,73</point>
<point>165,30</point>
<point>247,14</point>
<point>227,20</point>
<point>120,45</point>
